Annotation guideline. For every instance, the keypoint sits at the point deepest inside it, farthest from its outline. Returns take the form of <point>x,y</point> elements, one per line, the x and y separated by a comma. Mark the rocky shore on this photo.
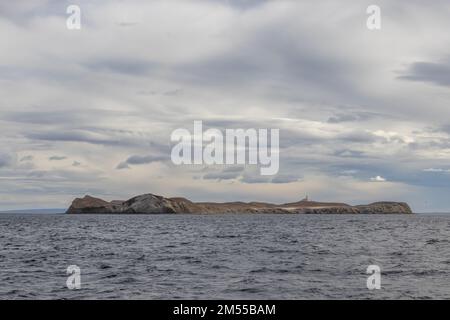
<point>154,204</point>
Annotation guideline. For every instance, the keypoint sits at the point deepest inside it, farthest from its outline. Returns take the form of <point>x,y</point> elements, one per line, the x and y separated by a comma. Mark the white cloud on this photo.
<point>436,170</point>
<point>378,179</point>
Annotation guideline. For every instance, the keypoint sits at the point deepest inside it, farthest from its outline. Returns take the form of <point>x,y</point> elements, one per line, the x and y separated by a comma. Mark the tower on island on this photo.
<point>305,198</point>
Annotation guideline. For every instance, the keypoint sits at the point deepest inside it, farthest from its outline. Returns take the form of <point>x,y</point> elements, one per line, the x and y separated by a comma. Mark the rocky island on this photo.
<point>154,204</point>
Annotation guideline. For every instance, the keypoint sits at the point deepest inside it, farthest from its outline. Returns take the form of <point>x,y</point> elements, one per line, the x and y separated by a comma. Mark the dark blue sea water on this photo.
<point>224,256</point>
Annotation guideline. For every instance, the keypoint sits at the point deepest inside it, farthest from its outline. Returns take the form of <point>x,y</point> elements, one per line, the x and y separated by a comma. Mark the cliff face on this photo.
<point>384,207</point>
<point>153,204</point>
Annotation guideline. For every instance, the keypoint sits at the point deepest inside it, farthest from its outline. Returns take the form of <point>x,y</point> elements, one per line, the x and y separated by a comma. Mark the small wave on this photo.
<point>127,280</point>
<point>227,236</point>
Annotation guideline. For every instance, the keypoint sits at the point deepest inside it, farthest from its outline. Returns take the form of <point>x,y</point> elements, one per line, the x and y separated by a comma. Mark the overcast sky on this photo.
<point>363,115</point>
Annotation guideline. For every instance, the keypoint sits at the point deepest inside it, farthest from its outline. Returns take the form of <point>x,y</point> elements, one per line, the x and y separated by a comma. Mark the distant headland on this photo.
<point>154,204</point>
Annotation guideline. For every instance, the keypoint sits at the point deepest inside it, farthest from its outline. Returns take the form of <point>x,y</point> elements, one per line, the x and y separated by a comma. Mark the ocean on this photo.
<point>224,256</point>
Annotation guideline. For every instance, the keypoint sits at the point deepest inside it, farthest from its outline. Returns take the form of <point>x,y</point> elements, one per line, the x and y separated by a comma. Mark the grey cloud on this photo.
<point>37,173</point>
<point>432,72</point>
<point>124,66</point>
<point>145,159</point>
<point>280,60</point>
<point>343,118</point>
<point>249,176</point>
<point>284,178</point>
<point>253,62</point>
<point>289,138</point>
<point>45,117</point>
<point>72,136</point>
<point>57,158</point>
<point>228,173</point>
<point>347,153</point>
<point>241,4</point>
<point>275,61</point>
<point>26,158</point>
<point>126,24</point>
<point>22,11</point>
<point>254,178</point>
<point>122,165</point>
<point>353,116</point>
<point>139,160</point>
<point>435,144</point>
<point>169,93</point>
<point>63,176</point>
<point>96,136</point>
<point>394,171</point>
<point>221,175</point>
<point>444,128</point>
<point>234,169</point>
<point>359,136</point>
<point>147,92</point>
<point>235,123</point>
<point>173,92</point>
<point>5,159</point>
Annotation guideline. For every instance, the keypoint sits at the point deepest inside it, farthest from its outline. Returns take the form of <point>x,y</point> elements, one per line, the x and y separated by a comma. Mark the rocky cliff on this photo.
<point>153,204</point>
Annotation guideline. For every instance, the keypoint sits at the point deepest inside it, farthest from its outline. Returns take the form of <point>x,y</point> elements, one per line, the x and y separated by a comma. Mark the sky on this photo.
<point>364,115</point>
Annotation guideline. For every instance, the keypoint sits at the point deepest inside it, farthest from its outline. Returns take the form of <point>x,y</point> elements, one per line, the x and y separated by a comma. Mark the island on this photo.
<point>154,204</point>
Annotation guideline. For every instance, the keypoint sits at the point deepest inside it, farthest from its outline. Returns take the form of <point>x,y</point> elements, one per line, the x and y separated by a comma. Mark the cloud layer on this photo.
<point>353,106</point>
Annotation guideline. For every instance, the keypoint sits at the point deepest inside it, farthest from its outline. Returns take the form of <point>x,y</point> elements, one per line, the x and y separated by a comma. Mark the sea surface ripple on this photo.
<point>224,256</point>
